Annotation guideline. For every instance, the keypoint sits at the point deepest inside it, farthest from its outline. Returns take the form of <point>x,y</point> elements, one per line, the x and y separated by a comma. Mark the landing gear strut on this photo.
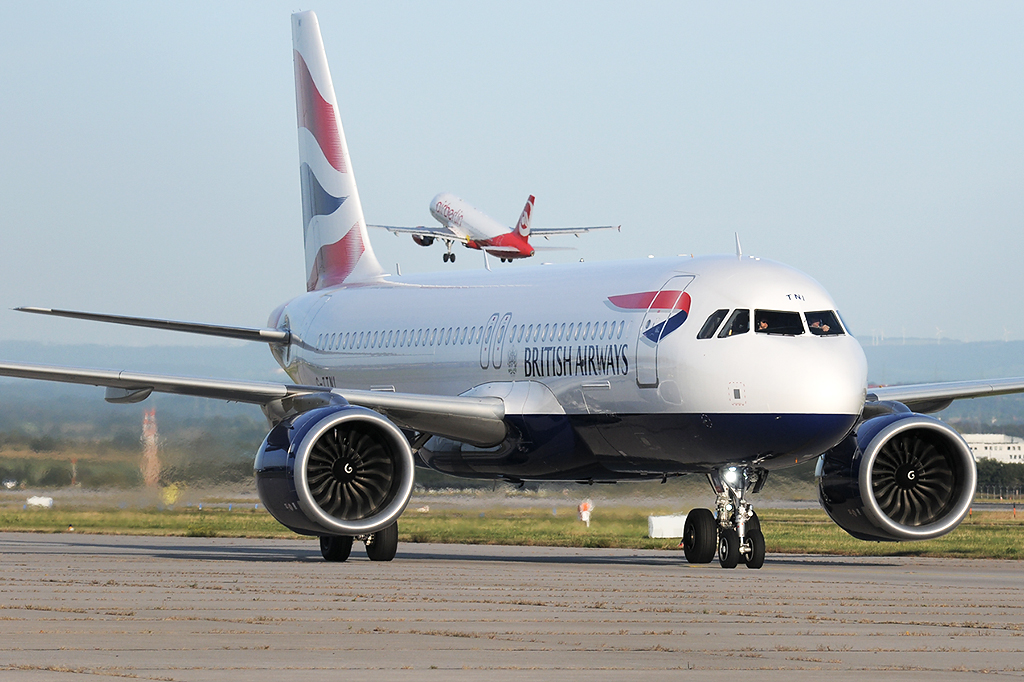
<point>380,546</point>
<point>734,530</point>
<point>448,256</point>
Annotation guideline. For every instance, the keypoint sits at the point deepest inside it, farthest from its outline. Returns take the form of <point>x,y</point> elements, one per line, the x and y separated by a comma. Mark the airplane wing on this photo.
<point>938,396</point>
<point>548,231</point>
<point>477,420</point>
<point>420,231</point>
<point>223,331</point>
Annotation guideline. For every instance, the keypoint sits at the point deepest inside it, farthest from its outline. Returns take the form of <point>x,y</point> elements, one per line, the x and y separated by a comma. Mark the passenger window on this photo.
<point>561,331</point>
<point>823,323</point>
<point>586,332</point>
<point>711,326</point>
<point>739,323</point>
<point>778,322</point>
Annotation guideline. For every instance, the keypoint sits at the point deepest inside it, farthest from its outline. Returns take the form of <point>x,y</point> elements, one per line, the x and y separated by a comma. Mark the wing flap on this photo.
<point>420,231</point>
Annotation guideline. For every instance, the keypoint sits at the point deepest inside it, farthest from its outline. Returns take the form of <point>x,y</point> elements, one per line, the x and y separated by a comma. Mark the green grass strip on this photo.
<point>985,535</point>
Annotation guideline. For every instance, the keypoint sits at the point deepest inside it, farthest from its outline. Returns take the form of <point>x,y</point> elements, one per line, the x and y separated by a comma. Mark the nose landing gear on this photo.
<point>734,530</point>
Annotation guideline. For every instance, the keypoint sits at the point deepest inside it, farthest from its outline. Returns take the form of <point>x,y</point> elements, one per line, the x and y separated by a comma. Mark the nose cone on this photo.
<point>765,374</point>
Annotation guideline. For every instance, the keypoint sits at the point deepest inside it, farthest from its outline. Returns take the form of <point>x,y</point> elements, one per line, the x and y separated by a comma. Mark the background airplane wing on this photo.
<point>938,396</point>
<point>548,231</point>
<point>478,420</point>
<point>420,231</point>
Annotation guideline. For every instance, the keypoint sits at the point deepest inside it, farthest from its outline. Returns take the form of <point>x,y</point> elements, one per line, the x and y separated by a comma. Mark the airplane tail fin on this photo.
<point>523,226</point>
<point>337,246</point>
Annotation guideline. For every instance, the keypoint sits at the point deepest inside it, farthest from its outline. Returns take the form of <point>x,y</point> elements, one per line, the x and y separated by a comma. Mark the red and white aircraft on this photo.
<point>724,366</point>
<point>461,222</point>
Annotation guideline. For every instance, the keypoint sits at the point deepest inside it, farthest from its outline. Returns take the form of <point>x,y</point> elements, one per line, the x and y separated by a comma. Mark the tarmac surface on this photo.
<point>109,607</point>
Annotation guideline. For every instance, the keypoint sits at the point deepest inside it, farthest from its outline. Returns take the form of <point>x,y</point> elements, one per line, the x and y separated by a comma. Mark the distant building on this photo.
<point>997,446</point>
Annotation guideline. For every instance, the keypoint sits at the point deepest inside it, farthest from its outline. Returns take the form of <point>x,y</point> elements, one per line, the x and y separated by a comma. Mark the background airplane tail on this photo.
<point>523,226</point>
<point>337,246</point>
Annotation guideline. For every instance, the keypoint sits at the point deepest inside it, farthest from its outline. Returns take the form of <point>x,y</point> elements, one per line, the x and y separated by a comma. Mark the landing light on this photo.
<point>731,475</point>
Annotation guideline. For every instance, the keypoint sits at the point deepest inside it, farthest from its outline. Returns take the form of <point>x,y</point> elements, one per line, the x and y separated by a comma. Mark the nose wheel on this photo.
<point>734,530</point>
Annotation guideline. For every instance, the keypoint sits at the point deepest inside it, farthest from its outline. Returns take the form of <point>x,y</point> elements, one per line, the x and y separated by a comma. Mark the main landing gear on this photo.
<point>448,256</point>
<point>734,531</point>
<point>380,546</point>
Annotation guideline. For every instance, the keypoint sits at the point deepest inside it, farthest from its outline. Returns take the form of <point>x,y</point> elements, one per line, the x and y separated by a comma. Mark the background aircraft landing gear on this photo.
<point>448,255</point>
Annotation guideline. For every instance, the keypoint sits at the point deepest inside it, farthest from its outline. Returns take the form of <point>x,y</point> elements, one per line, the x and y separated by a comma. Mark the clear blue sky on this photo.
<point>148,159</point>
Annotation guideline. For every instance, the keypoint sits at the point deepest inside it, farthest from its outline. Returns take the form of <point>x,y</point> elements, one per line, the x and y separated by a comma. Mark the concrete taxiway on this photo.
<point>216,609</point>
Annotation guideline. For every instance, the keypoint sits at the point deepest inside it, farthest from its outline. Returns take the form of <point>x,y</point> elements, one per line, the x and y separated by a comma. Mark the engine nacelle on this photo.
<point>898,477</point>
<point>336,470</point>
<point>423,240</point>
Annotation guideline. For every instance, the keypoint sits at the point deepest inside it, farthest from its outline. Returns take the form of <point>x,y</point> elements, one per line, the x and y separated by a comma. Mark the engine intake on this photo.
<point>898,477</point>
<point>337,470</point>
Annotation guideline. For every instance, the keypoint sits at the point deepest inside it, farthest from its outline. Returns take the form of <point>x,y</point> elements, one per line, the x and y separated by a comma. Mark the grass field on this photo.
<point>995,535</point>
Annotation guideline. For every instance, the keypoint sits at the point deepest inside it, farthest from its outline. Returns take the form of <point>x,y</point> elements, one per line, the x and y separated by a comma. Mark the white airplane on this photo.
<point>463,223</point>
<point>725,366</point>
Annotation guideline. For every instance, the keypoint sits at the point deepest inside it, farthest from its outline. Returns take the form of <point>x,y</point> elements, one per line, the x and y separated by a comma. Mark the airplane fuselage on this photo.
<point>477,230</point>
<point>599,364</point>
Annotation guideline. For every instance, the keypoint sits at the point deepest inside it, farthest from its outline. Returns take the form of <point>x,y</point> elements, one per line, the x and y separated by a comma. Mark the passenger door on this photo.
<point>663,305</point>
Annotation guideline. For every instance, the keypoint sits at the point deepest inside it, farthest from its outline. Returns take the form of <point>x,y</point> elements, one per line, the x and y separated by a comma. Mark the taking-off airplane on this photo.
<point>724,366</point>
<point>461,222</point>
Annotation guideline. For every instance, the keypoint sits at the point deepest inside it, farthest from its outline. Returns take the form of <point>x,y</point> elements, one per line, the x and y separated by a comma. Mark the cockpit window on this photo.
<point>778,322</point>
<point>711,326</point>
<point>739,323</point>
<point>823,323</point>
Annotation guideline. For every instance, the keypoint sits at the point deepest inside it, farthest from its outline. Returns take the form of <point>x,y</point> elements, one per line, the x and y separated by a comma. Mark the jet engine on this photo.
<point>898,477</point>
<point>423,240</point>
<point>335,470</point>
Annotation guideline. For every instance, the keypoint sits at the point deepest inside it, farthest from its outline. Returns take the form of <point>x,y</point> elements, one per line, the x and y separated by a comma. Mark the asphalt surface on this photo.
<point>75,607</point>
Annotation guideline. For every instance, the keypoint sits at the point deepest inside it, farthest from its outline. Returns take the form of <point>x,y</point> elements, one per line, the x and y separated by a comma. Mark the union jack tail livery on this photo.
<point>337,247</point>
<point>523,226</point>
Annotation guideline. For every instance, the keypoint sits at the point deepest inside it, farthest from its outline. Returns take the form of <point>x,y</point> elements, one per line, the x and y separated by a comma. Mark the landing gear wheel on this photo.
<point>753,523</point>
<point>382,545</point>
<point>335,547</point>
<point>699,536</point>
<point>451,257</point>
<point>756,557</point>
<point>445,257</point>
<point>728,547</point>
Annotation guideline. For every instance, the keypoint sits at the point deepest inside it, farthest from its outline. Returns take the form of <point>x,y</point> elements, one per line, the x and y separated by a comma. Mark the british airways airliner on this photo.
<point>724,366</point>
